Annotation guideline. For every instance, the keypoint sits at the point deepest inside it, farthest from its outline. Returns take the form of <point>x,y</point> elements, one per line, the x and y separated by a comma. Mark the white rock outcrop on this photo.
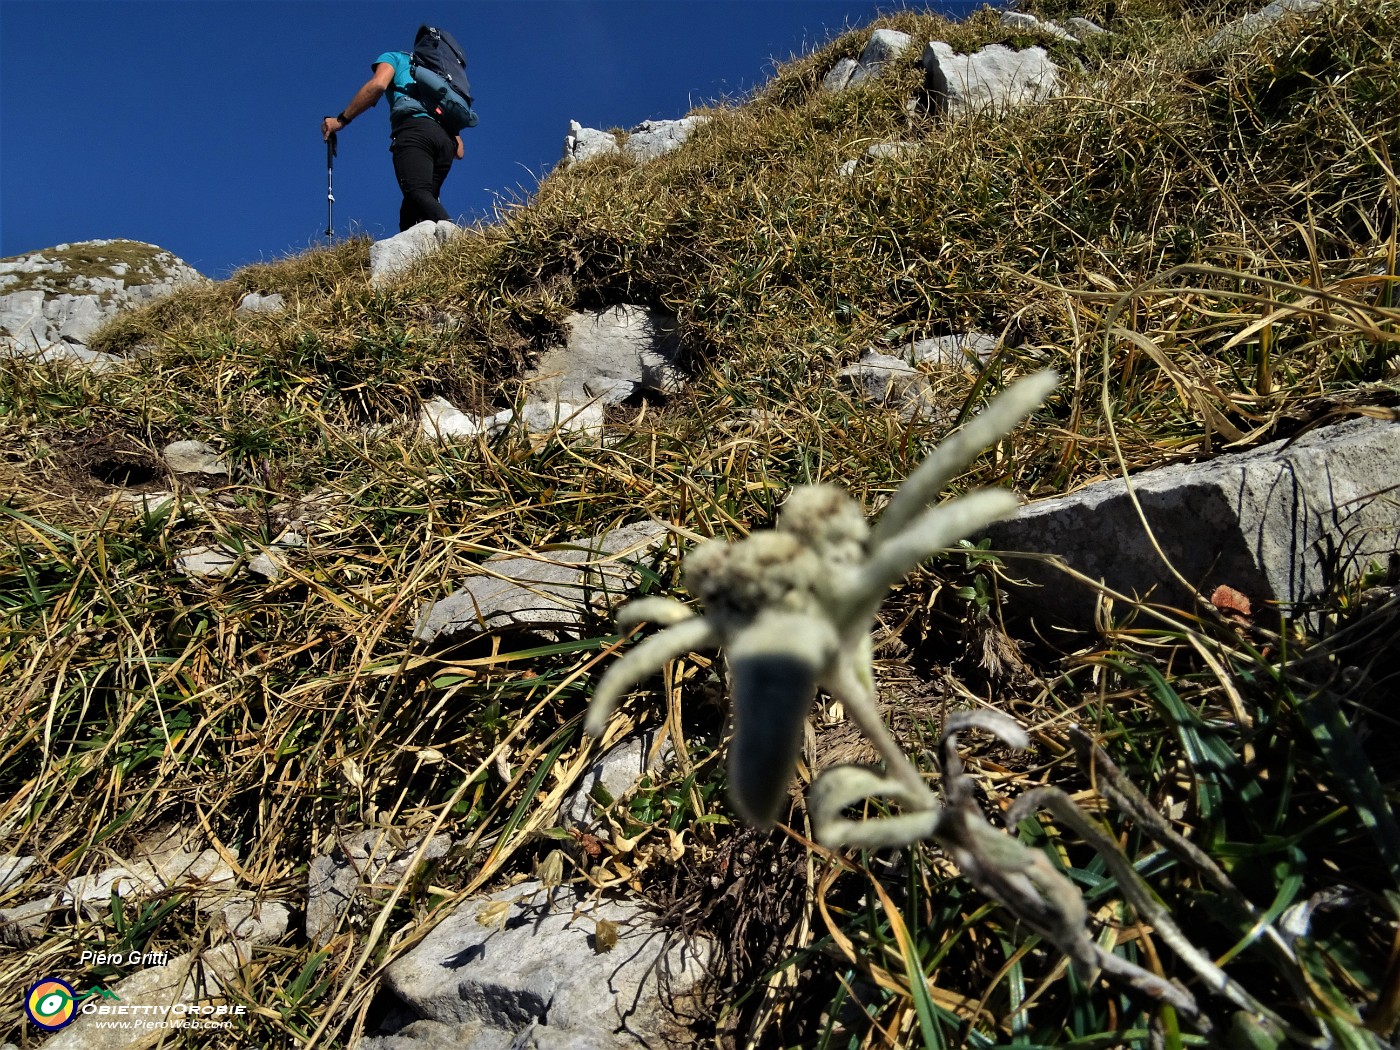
<point>530,967</point>
<point>53,301</point>
<point>993,80</point>
<point>390,257</point>
<point>1276,524</point>
<point>647,141</point>
<point>884,46</point>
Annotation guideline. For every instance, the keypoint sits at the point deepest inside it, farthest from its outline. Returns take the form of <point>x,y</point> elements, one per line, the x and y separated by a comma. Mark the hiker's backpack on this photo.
<point>439,72</point>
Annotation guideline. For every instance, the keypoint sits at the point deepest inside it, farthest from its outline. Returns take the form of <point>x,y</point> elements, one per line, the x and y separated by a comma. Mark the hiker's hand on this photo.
<point>459,147</point>
<point>329,126</point>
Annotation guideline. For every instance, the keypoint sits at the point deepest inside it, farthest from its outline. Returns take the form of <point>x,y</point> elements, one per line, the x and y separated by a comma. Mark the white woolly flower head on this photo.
<point>793,607</point>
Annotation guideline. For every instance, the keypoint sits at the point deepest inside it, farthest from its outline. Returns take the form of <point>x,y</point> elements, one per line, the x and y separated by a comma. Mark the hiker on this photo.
<point>423,143</point>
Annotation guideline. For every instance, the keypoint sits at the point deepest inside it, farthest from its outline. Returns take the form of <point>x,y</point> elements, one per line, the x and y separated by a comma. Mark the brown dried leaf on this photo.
<point>1232,603</point>
<point>604,936</point>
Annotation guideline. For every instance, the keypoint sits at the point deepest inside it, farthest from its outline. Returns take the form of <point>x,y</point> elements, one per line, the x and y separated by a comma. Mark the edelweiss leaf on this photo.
<point>997,420</point>
<point>843,786</point>
<point>646,658</point>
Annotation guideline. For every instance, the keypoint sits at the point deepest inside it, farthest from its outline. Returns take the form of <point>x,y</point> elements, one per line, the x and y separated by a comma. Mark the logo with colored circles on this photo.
<point>50,1003</point>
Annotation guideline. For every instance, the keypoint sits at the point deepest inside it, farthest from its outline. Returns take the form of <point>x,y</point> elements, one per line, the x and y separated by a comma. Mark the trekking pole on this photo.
<point>330,184</point>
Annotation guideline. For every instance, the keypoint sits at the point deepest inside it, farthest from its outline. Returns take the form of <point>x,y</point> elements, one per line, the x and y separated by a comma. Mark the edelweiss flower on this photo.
<point>793,609</point>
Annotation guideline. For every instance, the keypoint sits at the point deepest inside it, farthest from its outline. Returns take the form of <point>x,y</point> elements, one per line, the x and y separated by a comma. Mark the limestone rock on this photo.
<point>1030,24</point>
<point>194,457</point>
<point>12,869</point>
<point>52,301</point>
<point>256,922</point>
<point>617,772</point>
<point>371,857</point>
<point>207,561</point>
<point>1274,523</point>
<point>443,421</point>
<point>23,924</point>
<point>271,562</point>
<point>583,144</point>
<point>569,422</point>
<point>1243,30</point>
<point>188,979</point>
<point>884,46</point>
<point>993,80</point>
<point>951,351</point>
<point>534,975</point>
<point>879,379</point>
<point>391,256</point>
<point>610,355</point>
<point>1084,27</point>
<point>656,138</point>
<point>647,141</point>
<point>550,591</point>
<point>257,303</point>
<point>840,74</point>
<point>167,860</point>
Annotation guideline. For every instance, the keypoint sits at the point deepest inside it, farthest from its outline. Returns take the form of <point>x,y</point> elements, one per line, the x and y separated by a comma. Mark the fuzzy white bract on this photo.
<point>793,608</point>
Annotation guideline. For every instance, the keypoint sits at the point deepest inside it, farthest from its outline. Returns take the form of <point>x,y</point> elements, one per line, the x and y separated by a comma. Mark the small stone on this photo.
<point>617,772</point>
<point>207,561</point>
<point>256,303</point>
<point>194,457</point>
<point>257,922</point>
<point>12,869</point>
<point>441,420</point>
<point>951,351</point>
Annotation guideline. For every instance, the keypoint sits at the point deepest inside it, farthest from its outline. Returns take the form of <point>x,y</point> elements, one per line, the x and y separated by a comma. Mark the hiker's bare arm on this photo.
<point>460,151</point>
<point>366,98</point>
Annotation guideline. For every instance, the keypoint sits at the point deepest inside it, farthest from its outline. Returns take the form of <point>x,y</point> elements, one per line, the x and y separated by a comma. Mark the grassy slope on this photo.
<point>1235,214</point>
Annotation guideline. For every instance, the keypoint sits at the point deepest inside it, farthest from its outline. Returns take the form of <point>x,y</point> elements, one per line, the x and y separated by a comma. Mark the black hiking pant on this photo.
<point>423,155</point>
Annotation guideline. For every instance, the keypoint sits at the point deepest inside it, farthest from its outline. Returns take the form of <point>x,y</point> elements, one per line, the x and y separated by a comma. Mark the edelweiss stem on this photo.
<point>330,187</point>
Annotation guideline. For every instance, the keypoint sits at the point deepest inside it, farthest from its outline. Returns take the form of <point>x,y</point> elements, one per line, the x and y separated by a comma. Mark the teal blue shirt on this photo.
<point>402,78</point>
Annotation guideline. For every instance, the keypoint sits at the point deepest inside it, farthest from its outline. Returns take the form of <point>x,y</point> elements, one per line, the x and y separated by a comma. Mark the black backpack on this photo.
<point>439,70</point>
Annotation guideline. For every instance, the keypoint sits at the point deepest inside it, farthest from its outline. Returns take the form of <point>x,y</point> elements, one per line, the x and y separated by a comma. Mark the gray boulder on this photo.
<point>880,379</point>
<point>992,80</point>
<point>884,46</point>
<point>840,74</point>
<point>525,968</point>
<point>647,141</point>
<point>1276,524</point>
<point>1243,30</point>
<point>390,257</point>
<point>582,144</point>
<point>655,138</point>
<point>551,591</point>
<point>609,356</point>
<point>952,351</point>
<point>256,303</point>
<point>194,457</point>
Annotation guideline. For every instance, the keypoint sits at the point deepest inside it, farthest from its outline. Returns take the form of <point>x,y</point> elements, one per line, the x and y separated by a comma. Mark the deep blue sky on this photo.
<point>194,124</point>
